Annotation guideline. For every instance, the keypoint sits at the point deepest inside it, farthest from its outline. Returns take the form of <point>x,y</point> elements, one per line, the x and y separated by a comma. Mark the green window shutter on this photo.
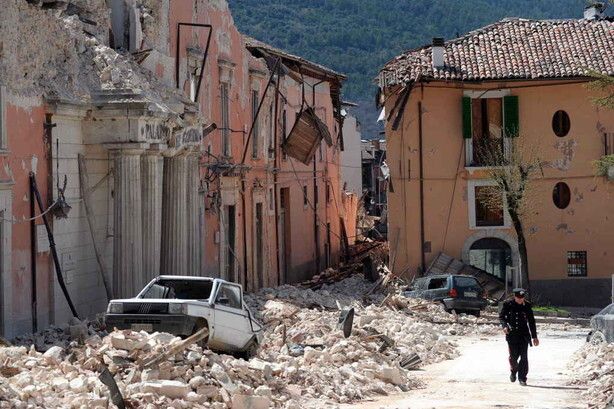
<point>511,116</point>
<point>467,118</point>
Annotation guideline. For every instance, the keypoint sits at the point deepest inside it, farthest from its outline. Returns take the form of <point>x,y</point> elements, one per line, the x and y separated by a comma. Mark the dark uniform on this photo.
<point>519,319</point>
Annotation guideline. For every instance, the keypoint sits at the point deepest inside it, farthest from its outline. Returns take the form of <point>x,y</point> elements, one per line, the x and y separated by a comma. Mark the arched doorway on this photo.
<point>492,255</point>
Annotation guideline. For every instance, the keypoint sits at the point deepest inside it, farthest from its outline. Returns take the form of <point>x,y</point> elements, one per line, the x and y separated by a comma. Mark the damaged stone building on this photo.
<point>524,79</point>
<point>160,141</point>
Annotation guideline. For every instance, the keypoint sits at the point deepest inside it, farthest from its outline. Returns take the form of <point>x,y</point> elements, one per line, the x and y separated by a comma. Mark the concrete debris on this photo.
<point>593,366</point>
<point>75,331</point>
<point>76,63</point>
<point>305,360</point>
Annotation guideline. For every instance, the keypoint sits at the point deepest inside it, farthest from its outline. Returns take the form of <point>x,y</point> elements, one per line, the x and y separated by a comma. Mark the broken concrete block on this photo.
<point>312,355</point>
<point>209,391</point>
<point>391,375</point>
<point>171,389</point>
<point>264,390</point>
<point>250,402</point>
<point>120,341</point>
<point>220,375</point>
<point>53,355</point>
<point>196,381</point>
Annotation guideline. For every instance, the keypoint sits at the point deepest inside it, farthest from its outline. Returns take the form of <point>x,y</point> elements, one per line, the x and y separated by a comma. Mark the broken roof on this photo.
<point>252,43</point>
<point>513,49</point>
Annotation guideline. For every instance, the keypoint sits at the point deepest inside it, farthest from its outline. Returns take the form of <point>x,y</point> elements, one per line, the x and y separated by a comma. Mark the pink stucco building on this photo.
<point>171,165</point>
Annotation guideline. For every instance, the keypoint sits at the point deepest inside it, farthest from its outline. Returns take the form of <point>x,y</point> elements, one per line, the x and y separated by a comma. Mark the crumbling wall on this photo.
<point>39,51</point>
<point>60,53</point>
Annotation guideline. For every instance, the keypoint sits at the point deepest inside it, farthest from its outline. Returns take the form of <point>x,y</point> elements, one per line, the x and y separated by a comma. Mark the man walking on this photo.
<point>518,324</point>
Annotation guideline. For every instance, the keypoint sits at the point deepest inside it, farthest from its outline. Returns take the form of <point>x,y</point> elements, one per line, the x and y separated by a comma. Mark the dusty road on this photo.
<point>479,378</point>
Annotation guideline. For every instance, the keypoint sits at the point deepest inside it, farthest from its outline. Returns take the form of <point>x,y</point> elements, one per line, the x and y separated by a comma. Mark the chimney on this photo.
<point>438,52</point>
<point>594,11</point>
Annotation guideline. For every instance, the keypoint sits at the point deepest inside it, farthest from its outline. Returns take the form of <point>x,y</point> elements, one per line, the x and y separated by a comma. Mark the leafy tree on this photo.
<point>603,84</point>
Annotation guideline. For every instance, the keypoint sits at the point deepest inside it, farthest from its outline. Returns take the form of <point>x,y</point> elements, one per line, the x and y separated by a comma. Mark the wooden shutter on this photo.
<point>467,118</point>
<point>511,116</point>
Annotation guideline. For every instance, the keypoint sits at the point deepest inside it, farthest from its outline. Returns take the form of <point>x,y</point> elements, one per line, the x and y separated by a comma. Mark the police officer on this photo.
<point>518,324</point>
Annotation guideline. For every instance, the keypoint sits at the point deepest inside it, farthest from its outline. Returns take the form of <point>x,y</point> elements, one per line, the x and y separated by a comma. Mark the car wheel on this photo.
<point>200,324</point>
<point>475,313</point>
<point>251,350</point>
<point>597,338</point>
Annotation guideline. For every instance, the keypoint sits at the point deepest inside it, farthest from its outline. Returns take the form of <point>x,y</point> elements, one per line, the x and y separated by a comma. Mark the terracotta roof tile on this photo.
<point>513,49</point>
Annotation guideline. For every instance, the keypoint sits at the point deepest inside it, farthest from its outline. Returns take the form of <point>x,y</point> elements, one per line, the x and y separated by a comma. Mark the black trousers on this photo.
<point>518,350</point>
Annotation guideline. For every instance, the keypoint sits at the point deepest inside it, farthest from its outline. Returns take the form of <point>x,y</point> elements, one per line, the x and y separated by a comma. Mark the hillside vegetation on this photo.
<point>356,37</point>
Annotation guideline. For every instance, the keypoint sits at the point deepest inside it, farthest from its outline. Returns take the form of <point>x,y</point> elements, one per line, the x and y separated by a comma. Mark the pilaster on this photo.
<point>128,233</point>
<point>174,217</point>
<point>193,220</point>
<point>151,195</point>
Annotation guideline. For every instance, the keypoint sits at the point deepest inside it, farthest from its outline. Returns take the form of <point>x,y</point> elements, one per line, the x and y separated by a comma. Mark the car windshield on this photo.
<point>180,289</point>
<point>467,283</point>
<point>438,283</point>
<point>607,310</point>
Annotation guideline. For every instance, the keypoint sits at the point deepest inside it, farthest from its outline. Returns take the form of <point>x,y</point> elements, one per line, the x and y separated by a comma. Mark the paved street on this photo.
<point>478,378</point>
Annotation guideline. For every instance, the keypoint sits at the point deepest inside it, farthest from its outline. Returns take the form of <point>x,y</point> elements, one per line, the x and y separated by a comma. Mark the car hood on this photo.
<point>158,300</point>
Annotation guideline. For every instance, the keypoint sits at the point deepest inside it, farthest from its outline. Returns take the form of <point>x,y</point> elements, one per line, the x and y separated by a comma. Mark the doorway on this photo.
<point>259,250</point>
<point>284,233</point>
<point>230,243</point>
<point>492,255</point>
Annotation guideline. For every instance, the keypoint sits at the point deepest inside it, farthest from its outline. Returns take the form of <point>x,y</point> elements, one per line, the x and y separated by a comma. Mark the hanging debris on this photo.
<point>306,136</point>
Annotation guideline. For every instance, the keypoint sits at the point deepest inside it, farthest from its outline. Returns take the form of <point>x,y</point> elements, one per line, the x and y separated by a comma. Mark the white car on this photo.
<point>183,305</point>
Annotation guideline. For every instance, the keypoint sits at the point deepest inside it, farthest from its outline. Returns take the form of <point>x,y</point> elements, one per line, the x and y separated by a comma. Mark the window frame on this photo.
<point>225,119</point>
<point>485,94</point>
<point>563,131</point>
<point>579,254</point>
<point>255,100</point>
<point>471,200</point>
<point>3,124</point>
<point>305,197</point>
<point>556,194</point>
<point>229,285</point>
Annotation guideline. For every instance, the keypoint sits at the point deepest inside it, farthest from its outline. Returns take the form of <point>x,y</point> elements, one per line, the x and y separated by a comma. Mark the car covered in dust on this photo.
<point>183,305</point>
<point>602,326</point>
<point>457,292</point>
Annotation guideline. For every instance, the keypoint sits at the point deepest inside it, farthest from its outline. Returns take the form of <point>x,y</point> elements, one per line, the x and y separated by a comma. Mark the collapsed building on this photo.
<point>159,140</point>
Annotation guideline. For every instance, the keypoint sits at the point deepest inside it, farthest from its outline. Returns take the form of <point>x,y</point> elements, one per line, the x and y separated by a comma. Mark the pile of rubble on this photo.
<point>593,365</point>
<point>306,360</point>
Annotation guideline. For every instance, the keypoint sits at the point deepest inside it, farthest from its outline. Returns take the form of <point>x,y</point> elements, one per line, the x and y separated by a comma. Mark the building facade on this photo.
<point>375,176</point>
<point>162,128</point>
<point>512,79</point>
<point>351,165</point>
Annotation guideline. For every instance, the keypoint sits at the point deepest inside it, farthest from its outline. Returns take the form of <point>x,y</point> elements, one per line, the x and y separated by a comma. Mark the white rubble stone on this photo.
<point>120,341</point>
<point>391,374</point>
<point>171,389</point>
<point>250,402</point>
<point>53,355</point>
<point>264,390</point>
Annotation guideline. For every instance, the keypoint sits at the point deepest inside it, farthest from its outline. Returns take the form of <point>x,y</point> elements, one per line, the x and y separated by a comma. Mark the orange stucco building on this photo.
<point>514,79</point>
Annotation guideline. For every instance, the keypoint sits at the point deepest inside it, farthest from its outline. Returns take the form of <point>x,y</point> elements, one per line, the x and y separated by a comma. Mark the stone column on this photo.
<point>174,217</point>
<point>128,234</point>
<point>151,195</point>
<point>193,215</point>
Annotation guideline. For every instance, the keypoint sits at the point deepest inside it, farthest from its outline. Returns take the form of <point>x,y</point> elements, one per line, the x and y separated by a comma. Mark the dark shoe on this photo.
<point>522,383</point>
<point>513,377</point>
